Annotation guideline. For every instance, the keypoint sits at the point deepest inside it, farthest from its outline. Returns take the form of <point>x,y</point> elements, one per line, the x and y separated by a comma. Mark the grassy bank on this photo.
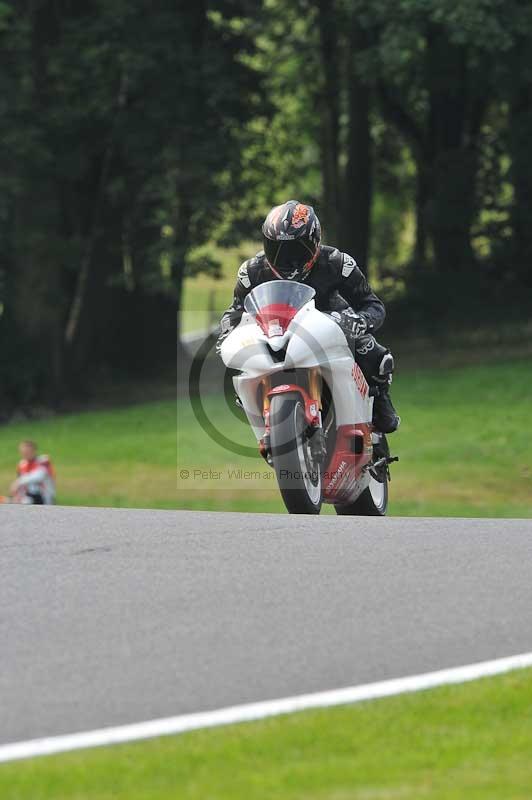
<point>463,448</point>
<point>471,741</point>
<point>122,457</point>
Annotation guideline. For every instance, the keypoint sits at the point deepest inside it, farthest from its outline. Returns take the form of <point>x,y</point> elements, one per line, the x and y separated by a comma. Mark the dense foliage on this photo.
<point>134,135</point>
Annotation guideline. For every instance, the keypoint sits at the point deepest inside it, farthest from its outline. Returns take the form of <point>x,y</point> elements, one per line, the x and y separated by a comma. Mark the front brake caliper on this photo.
<point>318,446</point>
<point>265,448</point>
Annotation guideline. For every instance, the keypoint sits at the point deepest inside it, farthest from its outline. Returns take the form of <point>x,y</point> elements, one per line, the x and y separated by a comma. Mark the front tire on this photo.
<point>298,475</point>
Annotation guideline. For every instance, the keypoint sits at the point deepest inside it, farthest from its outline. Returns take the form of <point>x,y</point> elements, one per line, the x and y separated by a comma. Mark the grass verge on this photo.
<point>463,448</point>
<point>122,457</point>
<point>471,741</point>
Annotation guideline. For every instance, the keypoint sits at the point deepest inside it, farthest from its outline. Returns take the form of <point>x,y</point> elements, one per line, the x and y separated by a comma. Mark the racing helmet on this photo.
<point>291,234</point>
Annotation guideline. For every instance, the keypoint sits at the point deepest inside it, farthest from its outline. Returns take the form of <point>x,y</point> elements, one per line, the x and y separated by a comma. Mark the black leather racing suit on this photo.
<point>339,285</point>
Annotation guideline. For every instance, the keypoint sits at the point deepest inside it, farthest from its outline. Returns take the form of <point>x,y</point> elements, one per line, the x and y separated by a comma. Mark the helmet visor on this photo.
<point>288,256</point>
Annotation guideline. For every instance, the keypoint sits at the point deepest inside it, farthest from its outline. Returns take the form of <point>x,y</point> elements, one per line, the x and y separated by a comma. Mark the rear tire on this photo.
<point>298,476</point>
<point>373,502</point>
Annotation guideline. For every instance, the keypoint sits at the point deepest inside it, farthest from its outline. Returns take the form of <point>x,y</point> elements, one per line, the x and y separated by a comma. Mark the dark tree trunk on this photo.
<point>356,214</point>
<point>36,300</point>
<point>451,152</point>
<point>397,114</point>
<point>452,209</point>
<point>422,199</point>
<point>77,312</point>
<point>178,281</point>
<point>329,110</point>
<point>445,148</point>
<point>521,172</point>
<point>185,181</point>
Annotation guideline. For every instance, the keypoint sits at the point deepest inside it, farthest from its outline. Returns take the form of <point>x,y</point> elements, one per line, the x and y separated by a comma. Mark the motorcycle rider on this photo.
<point>293,251</point>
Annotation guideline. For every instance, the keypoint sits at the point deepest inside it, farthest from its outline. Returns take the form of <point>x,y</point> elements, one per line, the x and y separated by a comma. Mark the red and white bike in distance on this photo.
<point>308,403</point>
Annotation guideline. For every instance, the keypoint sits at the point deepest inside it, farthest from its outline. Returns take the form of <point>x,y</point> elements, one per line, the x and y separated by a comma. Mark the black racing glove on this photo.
<point>353,325</point>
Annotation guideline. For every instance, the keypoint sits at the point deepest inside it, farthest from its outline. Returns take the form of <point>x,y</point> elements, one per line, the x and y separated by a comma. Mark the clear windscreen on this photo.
<point>274,304</point>
<point>278,293</point>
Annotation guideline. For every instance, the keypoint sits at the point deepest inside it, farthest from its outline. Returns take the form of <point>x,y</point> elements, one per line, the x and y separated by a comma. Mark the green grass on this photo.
<point>471,741</point>
<point>463,446</point>
<point>463,443</point>
<point>122,457</point>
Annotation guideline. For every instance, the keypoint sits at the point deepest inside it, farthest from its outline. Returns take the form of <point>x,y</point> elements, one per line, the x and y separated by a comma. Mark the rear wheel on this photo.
<point>373,502</point>
<point>298,474</point>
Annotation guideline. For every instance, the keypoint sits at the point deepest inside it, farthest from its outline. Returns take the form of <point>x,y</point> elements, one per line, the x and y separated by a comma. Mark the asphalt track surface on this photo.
<point>109,617</point>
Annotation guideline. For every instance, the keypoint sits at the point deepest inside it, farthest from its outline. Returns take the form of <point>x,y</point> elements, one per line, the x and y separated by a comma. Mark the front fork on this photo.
<point>313,406</point>
<point>318,445</point>
<point>265,441</point>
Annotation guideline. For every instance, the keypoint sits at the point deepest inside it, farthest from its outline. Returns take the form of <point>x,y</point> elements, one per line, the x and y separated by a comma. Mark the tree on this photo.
<point>516,83</point>
<point>436,68</point>
<point>358,179</point>
<point>123,126</point>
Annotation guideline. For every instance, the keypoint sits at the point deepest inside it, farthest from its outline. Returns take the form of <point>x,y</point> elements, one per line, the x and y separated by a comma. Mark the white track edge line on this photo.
<point>255,711</point>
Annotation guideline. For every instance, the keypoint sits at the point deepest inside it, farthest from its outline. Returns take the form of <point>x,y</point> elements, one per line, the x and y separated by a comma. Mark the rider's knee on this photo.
<point>387,364</point>
<point>375,360</point>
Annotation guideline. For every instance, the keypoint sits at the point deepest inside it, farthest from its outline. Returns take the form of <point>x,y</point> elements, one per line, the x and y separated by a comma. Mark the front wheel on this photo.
<point>298,474</point>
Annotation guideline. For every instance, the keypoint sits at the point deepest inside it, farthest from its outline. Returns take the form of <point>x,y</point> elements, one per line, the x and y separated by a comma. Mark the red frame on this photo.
<point>312,414</point>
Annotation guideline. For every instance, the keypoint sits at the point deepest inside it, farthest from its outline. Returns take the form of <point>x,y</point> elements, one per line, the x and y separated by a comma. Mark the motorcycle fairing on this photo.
<point>311,339</point>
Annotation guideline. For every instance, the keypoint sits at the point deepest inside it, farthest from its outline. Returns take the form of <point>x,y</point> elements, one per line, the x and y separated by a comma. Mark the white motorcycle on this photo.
<point>308,403</point>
